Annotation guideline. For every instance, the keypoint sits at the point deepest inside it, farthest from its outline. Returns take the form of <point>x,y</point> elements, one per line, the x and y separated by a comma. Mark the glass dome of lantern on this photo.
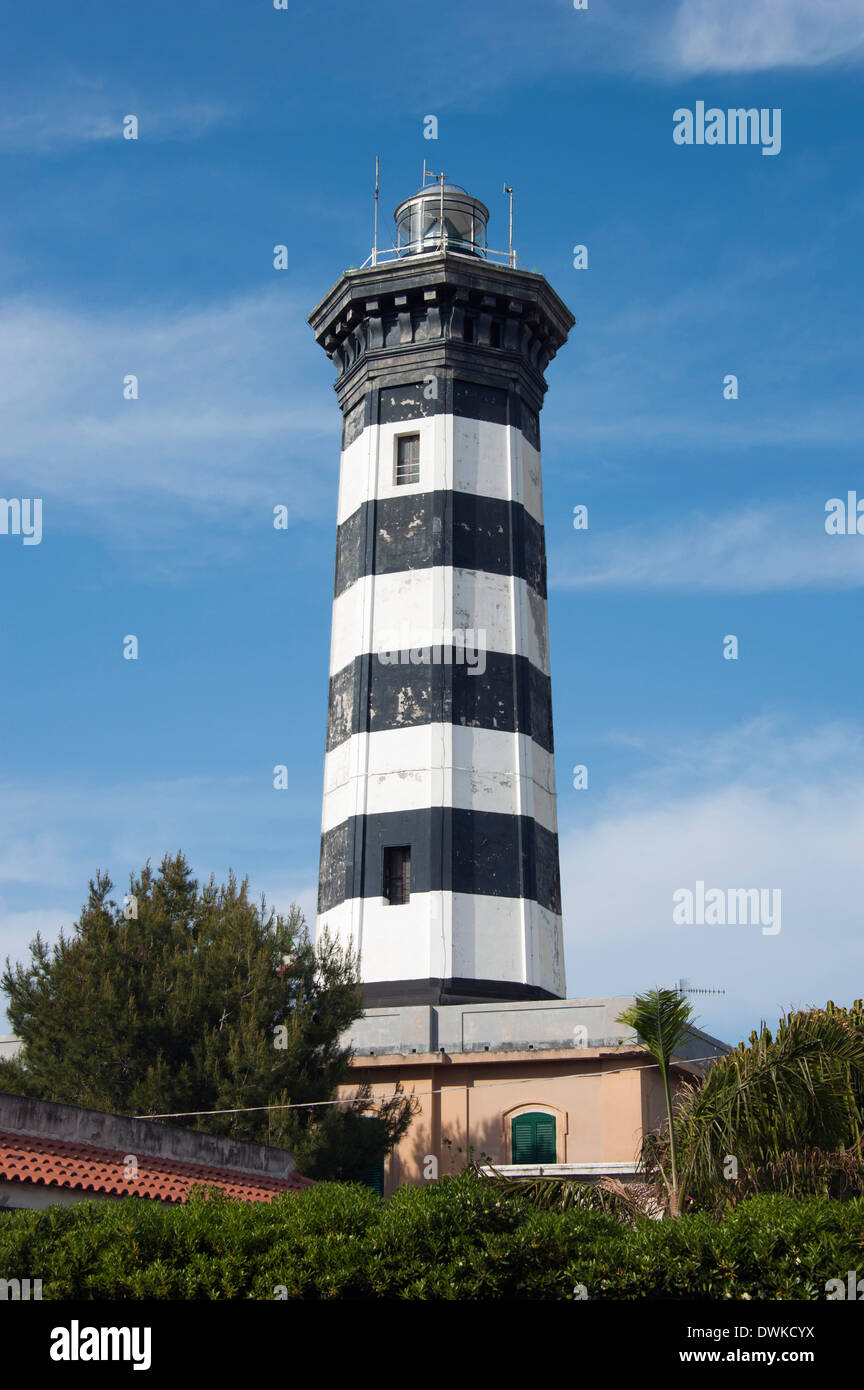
<point>441,216</point>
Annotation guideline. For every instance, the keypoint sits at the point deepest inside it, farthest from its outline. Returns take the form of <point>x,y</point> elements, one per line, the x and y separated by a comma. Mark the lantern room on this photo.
<point>441,217</point>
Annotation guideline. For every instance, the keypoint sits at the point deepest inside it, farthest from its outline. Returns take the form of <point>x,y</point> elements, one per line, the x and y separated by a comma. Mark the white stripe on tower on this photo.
<point>413,609</point>
<point>407,769</point>
<point>464,454</point>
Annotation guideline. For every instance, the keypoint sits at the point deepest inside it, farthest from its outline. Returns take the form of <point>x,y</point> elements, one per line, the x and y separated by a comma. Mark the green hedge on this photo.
<point>460,1238</point>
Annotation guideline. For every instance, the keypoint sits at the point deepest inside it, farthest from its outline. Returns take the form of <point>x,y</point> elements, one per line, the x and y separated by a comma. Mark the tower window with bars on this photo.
<point>407,459</point>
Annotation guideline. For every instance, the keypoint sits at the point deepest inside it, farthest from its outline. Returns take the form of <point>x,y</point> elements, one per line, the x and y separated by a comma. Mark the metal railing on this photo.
<point>459,248</point>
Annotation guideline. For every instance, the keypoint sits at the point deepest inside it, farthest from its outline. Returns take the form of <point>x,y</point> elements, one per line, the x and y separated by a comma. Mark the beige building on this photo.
<point>551,1086</point>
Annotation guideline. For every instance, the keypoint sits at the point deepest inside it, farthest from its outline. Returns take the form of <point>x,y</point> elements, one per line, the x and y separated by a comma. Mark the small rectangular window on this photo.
<point>407,459</point>
<point>397,875</point>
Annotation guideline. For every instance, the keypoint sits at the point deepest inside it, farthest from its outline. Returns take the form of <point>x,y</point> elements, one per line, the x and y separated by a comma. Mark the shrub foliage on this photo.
<point>461,1238</point>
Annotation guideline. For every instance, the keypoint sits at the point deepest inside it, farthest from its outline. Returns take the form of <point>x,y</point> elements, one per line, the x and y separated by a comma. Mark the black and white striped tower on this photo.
<point>439,851</point>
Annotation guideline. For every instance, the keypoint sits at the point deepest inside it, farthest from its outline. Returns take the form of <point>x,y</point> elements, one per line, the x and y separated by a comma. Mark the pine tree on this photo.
<point>203,1001</point>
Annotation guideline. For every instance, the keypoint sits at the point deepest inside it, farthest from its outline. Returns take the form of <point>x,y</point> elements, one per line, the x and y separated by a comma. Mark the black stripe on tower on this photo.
<point>423,529</point>
<point>512,695</point>
<point>452,851</point>
<point>458,989</point>
<point>467,400</point>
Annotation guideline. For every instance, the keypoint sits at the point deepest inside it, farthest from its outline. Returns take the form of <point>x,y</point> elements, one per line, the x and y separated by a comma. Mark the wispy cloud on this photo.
<point>759,806</point>
<point>742,36</point>
<point>613,416</point>
<point>71,113</point>
<point>652,370</point>
<point>233,410</point>
<point>664,41</point>
<point>757,549</point>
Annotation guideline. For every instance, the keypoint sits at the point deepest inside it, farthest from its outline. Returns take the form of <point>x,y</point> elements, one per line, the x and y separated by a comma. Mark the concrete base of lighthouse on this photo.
<point>477,1024</point>
<point>502,1025</point>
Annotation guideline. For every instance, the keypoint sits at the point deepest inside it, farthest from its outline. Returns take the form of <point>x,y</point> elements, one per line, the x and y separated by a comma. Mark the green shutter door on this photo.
<point>522,1134</point>
<point>545,1146</point>
<point>533,1138</point>
<point>374,1178</point>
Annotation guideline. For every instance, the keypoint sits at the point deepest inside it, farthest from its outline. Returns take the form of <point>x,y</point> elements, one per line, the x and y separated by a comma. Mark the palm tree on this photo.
<point>771,1103</point>
<point>662,1018</point>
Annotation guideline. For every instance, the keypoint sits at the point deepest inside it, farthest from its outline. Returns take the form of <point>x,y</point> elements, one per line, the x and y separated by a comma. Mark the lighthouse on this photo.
<point>439,843</point>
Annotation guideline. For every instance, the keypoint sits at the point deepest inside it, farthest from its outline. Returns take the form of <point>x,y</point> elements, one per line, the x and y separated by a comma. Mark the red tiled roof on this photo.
<point>59,1163</point>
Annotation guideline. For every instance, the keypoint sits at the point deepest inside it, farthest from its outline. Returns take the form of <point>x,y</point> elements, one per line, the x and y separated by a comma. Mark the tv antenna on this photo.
<point>375,228</point>
<point>511,258</point>
<point>685,987</point>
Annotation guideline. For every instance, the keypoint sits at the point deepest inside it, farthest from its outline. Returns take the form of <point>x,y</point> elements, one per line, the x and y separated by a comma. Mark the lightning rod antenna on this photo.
<point>375,231</point>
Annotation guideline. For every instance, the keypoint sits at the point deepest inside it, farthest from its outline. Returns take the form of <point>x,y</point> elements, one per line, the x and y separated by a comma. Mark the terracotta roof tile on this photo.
<point>85,1167</point>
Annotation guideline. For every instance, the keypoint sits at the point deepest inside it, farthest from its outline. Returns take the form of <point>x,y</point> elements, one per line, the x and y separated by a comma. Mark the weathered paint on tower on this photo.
<point>439,850</point>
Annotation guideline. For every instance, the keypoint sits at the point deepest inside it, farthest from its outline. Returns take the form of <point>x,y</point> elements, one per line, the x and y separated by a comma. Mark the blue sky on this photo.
<point>706,516</point>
